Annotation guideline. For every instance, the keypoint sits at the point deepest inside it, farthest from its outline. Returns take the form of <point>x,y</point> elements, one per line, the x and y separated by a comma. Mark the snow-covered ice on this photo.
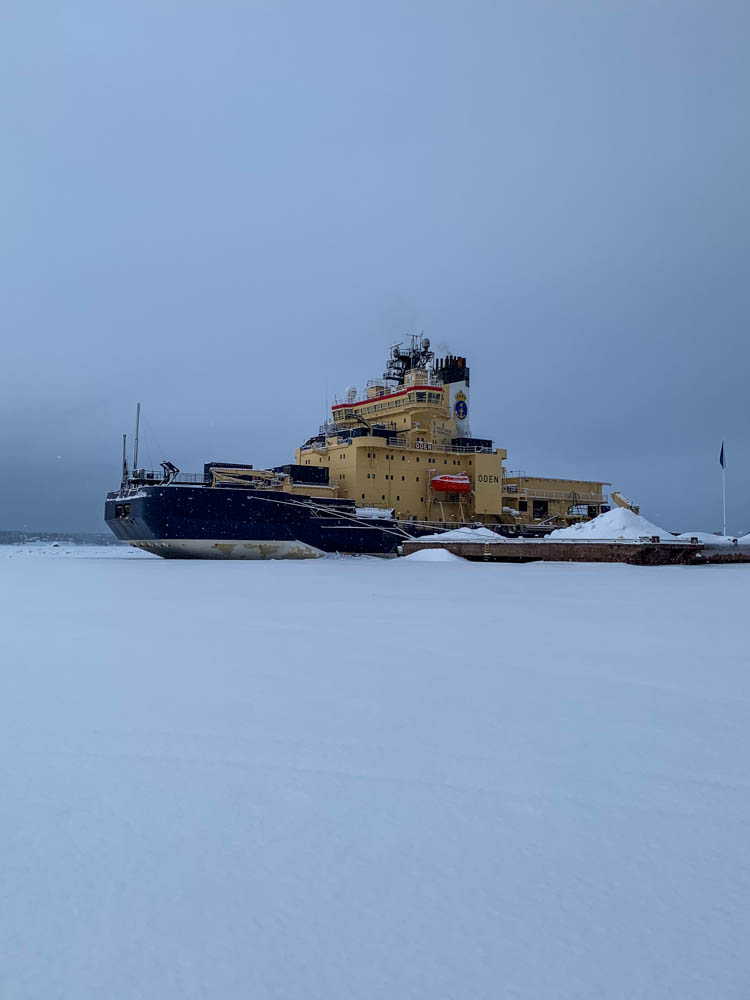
<point>57,550</point>
<point>357,779</point>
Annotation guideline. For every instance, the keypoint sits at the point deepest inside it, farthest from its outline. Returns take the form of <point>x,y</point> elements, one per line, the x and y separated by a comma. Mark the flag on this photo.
<point>722,460</point>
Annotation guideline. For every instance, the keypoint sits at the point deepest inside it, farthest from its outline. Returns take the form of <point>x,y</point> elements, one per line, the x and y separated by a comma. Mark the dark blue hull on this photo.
<point>235,523</point>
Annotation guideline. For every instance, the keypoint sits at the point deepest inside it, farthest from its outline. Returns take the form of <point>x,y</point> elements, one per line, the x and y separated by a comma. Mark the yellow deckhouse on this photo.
<point>406,446</point>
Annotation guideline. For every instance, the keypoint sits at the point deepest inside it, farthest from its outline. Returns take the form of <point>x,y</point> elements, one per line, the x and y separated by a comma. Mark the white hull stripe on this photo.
<point>207,548</point>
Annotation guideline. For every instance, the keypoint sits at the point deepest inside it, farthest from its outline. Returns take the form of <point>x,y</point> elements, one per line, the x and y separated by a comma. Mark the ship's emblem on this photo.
<point>460,407</point>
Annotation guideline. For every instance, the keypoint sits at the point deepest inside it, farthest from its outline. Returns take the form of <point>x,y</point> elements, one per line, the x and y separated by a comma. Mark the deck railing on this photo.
<point>574,496</point>
<point>150,477</point>
<point>421,446</point>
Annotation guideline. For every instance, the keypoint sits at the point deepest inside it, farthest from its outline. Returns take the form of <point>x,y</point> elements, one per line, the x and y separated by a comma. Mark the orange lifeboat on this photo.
<point>452,484</point>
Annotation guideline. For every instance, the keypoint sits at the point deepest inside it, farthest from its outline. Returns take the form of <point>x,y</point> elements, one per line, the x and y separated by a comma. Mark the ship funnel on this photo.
<point>453,372</point>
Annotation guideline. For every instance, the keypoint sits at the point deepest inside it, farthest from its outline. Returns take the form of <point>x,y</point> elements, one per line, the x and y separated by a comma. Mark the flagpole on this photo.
<point>723,464</point>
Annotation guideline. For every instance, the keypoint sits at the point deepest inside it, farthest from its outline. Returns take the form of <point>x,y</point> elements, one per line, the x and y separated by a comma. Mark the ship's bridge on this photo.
<point>420,388</point>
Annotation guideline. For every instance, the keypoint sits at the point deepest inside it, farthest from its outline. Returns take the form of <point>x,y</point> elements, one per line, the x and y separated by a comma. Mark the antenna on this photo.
<point>137,427</point>
<point>124,458</point>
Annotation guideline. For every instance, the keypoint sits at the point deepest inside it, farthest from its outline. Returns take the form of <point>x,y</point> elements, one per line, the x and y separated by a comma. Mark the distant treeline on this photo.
<point>71,537</point>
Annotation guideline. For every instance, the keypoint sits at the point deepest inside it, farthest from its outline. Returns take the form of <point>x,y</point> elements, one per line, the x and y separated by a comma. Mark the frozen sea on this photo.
<point>350,779</point>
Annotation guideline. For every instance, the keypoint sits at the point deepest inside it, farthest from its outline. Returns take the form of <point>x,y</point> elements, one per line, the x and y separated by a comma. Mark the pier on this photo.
<point>642,552</point>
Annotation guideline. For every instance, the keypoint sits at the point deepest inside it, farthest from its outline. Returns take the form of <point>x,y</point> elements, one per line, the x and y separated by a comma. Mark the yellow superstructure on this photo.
<point>392,447</point>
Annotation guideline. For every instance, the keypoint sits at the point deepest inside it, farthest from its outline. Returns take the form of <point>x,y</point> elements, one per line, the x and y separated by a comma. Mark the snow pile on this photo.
<point>368,512</point>
<point>464,535</point>
<point>434,555</point>
<point>708,538</point>
<point>617,523</point>
<point>623,523</point>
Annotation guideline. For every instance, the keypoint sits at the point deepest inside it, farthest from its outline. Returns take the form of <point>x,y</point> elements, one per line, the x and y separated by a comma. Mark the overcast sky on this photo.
<point>228,210</point>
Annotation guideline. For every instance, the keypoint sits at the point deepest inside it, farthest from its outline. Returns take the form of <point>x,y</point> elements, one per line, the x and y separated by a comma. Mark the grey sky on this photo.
<point>224,209</point>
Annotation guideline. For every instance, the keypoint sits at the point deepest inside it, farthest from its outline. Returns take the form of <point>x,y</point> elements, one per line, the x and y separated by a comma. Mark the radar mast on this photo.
<point>405,359</point>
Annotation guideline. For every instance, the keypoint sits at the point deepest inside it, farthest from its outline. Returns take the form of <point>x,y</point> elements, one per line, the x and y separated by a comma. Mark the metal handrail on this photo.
<point>149,477</point>
<point>571,495</point>
<point>388,391</point>
<point>520,474</point>
<point>403,443</point>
